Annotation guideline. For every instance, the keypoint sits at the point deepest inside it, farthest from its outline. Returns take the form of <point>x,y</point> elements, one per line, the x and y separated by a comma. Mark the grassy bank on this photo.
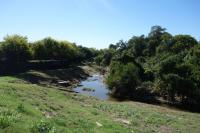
<point>31,102</point>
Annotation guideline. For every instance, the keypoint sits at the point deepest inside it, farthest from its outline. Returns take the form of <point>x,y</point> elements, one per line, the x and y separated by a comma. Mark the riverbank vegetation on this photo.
<point>36,94</point>
<point>27,106</point>
<point>156,65</point>
<point>48,53</point>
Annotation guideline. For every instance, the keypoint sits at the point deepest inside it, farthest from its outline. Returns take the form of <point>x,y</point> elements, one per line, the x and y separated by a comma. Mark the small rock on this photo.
<point>99,124</point>
<point>123,121</point>
<point>126,122</point>
<point>64,83</point>
<point>88,89</point>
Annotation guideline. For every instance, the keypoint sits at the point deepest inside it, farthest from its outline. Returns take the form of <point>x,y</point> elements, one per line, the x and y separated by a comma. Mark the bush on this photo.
<point>177,88</point>
<point>46,49</point>
<point>15,48</point>
<point>14,53</point>
<point>123,79</point>
<point>183,42</point>
<point>50,49</point>
<point>21,108</point>
<point>8,117</point>
<point>104,57</point>
<point>98,59</point>
<point>169,63</point>
<point>43,127</point>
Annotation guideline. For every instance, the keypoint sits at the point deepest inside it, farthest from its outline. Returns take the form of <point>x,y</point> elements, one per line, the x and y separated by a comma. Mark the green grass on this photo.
<point>26,107</point>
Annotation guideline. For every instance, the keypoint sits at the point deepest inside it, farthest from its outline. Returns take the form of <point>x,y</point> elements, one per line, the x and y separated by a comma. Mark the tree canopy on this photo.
<point>16,53</point>
<point>163,64</point>
<point>15,48</point>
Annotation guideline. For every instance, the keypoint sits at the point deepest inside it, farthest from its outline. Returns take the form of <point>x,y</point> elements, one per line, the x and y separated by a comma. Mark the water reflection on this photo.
<point>94,86</point>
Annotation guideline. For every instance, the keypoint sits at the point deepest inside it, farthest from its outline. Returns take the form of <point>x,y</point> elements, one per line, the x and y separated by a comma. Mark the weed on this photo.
<point>21,108</point>
<point>7,117</point>
<point>43,127</point>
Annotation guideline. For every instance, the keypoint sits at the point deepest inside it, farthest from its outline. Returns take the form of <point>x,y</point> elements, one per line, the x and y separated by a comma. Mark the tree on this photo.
<point>14,49</point>
<point>193,56</point>
<point>121,45</point>
<point>50,49</point>
<point>1,52</point>
<point>183,42</point>
<point>123,79</point>
<point>112,46</point>
<point>155,38</point>
<point>166,39</point>
<point>177,86</point>
<point>46,49</point>
<point>137,45</point>
<point>68,51</point>
<point>168,65</point>
<point>156,32</point>
<point>107,57</point>
<point>86,53</point>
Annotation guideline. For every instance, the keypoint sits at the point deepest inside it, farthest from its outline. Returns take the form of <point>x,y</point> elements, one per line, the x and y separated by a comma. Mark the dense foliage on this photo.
<point>50,49</point>
<point>16,53</point>
<point>162,64</point>
<point>123,76</point>
<point>15,49</point>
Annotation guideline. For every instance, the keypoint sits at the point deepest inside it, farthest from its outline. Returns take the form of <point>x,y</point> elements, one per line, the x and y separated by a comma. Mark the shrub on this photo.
<point>177,88</point>
<point>183,42</point>
<point>86,53</point>
<point>123,79</point>
<point>8,117</point>
<point>46,49</point>
<point>15,48</point>
<point>98,59</point>
<point>14,51</point>
<point>50,49</point>
<point>21,108</point>
<point>43,127</point>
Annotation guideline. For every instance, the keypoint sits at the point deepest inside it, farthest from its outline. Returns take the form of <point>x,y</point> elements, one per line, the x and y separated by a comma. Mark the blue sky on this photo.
<point>97,23</point>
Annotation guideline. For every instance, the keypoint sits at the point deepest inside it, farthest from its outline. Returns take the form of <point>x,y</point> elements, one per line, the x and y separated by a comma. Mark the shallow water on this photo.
<point>96,83</point>
<point>101,91</point>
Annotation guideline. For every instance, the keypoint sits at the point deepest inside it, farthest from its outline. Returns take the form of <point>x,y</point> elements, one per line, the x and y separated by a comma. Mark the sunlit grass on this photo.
<point>26,107</point>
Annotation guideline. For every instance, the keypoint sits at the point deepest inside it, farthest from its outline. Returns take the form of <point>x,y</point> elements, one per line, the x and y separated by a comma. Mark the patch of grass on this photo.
<point>23,105</point>
<point>8,117</point>
<point>43,126</point>
<point>21,108</point>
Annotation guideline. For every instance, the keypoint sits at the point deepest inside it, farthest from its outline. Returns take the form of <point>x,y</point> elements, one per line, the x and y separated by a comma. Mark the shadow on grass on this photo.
<point>155,100</point>
<point>71,73</point>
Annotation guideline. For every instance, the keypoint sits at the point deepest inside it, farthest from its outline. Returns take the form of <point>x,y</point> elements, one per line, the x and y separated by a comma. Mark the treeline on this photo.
<point>17,54</point>
<point>156,65</point>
